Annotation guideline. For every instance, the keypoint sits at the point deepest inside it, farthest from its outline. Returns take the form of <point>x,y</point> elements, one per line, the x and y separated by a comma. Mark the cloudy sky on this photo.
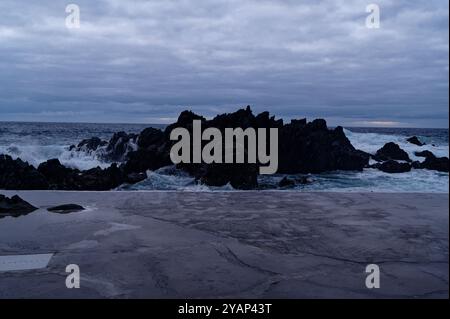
<point>145,61</point>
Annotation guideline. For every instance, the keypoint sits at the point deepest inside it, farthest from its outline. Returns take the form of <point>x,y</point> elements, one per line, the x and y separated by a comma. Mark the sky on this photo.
<point>146,61</point>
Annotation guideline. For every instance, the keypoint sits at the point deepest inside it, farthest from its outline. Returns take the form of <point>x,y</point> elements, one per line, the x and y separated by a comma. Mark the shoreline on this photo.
<point>231,245</point>
<point>293,191</point>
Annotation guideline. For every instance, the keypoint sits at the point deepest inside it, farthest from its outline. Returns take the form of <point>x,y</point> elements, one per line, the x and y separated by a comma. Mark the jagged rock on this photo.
<point>19,175</point>
<point>119,146</point>
<point>14,206</point>
<point>391,151</point>
<point>303,148</point>
<point>151,137</point>
<point>95,179</point>
<point>391,166</point>
<point>313,148</point>
<point>146,159</point>
<point>91,144</point>
<point>66,209</point>
<point>58,176</point>
<point>415,140</point>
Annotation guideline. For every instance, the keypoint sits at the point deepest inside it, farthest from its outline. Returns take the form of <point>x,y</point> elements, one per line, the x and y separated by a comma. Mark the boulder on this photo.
<point>440,164</point>
<point>432,162</point>
<point>91,144</point>
<point>14,206</point>
<point>391,166</point>
<point>424,154</point>
<point>391,151</point>
<point>66,209</point>
<point>415,140</point>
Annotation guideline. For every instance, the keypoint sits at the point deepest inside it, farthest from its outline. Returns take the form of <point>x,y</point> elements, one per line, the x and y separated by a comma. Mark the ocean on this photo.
<point>38,142</point>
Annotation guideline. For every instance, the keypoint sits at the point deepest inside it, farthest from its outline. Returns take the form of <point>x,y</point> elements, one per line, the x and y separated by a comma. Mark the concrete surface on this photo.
<point>231,245</point>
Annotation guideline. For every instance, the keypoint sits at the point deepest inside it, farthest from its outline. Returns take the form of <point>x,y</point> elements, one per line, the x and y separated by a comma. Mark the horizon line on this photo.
<point>166,124</point>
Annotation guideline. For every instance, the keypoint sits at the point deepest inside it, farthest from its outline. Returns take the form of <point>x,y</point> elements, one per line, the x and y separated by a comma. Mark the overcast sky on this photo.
<point>145,61</point>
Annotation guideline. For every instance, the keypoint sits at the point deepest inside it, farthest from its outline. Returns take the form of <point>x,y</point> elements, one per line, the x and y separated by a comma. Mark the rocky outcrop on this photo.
<point>14,206</point>
<point>63,178</point>
<point>119,146</point>
<point>89,145</point>
<point>304,147</point>
<point>391,166</point>
<point>433,162</point>
<point>423,154</point>
<point>313,148</point>
<point>19,175</point>
<point>415,140</point>
<point>391,151</point>
<point>440,164</point>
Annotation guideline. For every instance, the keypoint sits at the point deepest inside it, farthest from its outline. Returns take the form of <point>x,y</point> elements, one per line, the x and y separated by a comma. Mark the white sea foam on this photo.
<point>36,151</point>
<point>37,154</point>
<point>371,142</point>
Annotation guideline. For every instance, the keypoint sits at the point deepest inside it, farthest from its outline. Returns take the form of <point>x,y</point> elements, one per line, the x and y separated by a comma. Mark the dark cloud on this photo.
<point>144,61</point>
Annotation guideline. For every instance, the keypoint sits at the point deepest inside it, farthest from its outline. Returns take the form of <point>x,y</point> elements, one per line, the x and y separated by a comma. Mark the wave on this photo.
<point>37,154</point>
<point>169,178</point>
<point>371,142</point>
<point>173,179</point>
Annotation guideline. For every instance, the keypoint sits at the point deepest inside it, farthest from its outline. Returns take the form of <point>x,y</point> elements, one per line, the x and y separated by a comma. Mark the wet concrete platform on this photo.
<point>231,245</point>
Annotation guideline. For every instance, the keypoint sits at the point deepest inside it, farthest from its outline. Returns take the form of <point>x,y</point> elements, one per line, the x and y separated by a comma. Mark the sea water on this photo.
<point>38,142</point>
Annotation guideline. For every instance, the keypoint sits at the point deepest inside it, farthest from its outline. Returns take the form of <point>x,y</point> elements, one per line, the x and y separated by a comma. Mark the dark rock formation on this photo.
<point>416,165</point>
<point>119,146</point>
<point>89,145</point>
<point>391,166</point>
<point>14,206</point>
<point>19,175</point>
<point>240,176</point>
<point>66,209</point>
<point>303,148</point>
<point>440,164</point>
<point>63,178</point>
<point>423,154</point>
<point>415,140</point>
<point>313,148</point>
<point>432,162</point>
<point>391,151</point>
